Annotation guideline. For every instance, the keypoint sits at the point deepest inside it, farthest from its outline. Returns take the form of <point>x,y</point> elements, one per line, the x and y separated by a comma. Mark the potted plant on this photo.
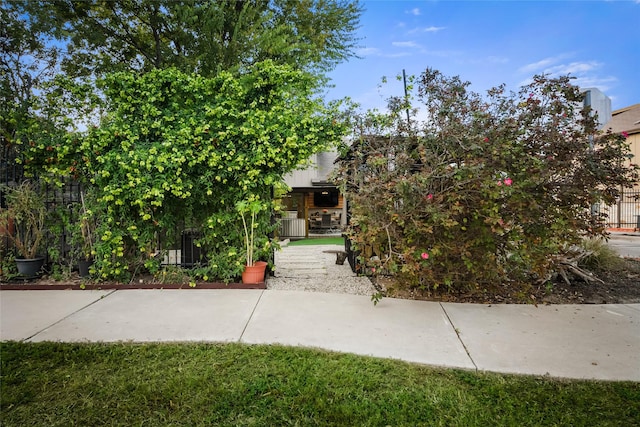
<point>253,271</point>
<point>27,211</point>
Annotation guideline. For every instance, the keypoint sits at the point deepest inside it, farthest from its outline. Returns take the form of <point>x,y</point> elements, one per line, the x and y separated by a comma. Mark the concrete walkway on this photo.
<point>585,341</point>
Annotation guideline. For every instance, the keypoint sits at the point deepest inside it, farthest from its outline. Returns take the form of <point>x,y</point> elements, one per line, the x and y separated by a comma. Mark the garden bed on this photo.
<point>74,282</point>
<point>621,286</point>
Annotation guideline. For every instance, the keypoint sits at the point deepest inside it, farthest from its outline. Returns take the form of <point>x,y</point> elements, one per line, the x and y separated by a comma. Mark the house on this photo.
<point>627,120</point>
<point>626,214</point>
<point>313,198</point>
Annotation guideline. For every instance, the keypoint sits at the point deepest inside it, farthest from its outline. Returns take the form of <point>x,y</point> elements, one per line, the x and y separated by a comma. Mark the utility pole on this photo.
<point>406,95</point>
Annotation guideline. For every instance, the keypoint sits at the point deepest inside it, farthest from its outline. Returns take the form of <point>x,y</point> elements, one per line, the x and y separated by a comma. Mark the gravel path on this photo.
<point>312,268</point>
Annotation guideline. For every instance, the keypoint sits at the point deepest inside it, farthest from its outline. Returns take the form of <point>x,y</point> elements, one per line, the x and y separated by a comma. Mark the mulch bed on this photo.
<point>35,286</point>
<point>620,287</point>
<point>76,283</point>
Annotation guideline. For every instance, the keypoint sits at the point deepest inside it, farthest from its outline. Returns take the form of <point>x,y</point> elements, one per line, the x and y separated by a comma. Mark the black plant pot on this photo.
<point>29,267</point>
<point>83,267</point>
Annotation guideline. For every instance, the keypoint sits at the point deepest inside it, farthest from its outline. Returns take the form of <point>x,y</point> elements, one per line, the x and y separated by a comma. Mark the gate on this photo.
<point>625,213</point>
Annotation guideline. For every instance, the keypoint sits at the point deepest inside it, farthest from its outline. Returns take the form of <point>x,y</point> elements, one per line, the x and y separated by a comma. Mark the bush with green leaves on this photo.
<point>177,149</point>
<point>484,191</point>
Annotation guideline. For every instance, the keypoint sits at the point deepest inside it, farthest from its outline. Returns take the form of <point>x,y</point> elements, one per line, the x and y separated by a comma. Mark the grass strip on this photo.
<point>318,241</point>
<point>238,385</point>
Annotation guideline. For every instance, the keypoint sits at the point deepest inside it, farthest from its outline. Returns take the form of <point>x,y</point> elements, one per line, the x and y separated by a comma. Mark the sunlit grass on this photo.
<point>232,384</point>
<point>318,241</point>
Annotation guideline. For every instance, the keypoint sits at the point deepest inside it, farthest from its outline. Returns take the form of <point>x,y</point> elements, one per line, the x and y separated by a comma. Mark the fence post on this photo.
<point>620,206</point>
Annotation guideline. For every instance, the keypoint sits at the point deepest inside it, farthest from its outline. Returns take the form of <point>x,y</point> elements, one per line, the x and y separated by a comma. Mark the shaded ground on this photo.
<point>621,286</point>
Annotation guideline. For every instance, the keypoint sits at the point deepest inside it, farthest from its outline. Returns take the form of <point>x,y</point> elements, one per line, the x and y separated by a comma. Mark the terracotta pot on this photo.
<point>253,274</point>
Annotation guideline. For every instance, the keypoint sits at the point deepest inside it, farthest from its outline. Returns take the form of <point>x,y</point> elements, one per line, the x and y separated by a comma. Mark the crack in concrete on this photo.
<point>459,337</point>
<point>69,315</point>
<point>246,325</point>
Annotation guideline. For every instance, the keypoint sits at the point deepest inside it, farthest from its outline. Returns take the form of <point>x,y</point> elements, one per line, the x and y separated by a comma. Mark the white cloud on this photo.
<point>602,83</point>
<point>540,65</point>
<point>368,51</point>
<point>405,44</point>
<point>395,55</point>
<point>543,63</point>
<point>431,29</point>
<point>581,69</point>
<point>415,11</point>
<point>573,68</point>
<point>374,51</point>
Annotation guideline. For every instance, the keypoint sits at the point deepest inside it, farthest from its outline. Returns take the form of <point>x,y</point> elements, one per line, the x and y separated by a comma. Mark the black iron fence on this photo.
<point>626,212</point>
<point>62,204</point>
<point>64,209</point>
<point>10,173</point>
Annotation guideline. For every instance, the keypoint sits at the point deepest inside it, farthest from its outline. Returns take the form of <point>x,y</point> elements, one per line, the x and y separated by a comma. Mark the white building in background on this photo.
<point>314,205</point>
<point>599,102</point>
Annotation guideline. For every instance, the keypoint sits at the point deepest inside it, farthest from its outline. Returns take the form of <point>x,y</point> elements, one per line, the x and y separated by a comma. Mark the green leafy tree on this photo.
<point>196,35</point>
<point>25,64</point>
<point>38,106</point>
<point>483,192</point>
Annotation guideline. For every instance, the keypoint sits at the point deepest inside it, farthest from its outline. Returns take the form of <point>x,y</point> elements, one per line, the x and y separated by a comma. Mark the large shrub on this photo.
<point>482,191</point>
<point>177,148</point>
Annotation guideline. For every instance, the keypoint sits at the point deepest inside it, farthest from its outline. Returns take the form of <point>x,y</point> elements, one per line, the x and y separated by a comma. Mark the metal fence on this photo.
<point>626,212</point>
<point>10,172</point>
<point>63,204</point>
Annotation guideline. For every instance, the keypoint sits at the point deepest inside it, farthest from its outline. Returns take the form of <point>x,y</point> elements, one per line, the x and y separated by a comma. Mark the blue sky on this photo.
<point>492,42</point>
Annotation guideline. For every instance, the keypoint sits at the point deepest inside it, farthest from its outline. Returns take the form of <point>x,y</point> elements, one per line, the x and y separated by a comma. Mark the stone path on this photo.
<point>313,268</point>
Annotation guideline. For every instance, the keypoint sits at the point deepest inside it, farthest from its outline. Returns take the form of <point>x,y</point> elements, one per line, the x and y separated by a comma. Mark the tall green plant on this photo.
<point>249,209</point>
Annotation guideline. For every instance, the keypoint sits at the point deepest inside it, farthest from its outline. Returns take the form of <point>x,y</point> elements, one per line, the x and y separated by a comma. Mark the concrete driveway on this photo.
<point>627,245</point>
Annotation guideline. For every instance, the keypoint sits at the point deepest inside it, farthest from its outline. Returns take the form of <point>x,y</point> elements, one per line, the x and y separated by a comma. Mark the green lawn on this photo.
<point>235,385</point>
<point>318,241</point>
